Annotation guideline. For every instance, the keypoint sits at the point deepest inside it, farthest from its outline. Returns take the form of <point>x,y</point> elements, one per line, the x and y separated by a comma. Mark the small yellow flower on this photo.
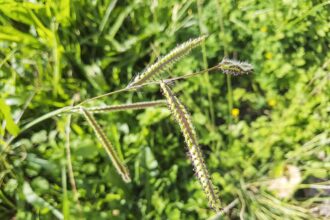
<point>272,102</point>
<point>263,29</point>
<point>269,55</point>
<point>235,112</point>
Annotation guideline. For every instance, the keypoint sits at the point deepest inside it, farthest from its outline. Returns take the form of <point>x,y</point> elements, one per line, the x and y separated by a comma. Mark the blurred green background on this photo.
<point>265,136</point>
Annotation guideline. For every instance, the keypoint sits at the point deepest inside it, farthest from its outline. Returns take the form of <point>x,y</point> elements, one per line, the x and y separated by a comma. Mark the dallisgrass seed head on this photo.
<point>165,61</point>
<point>234,67</point>
<point>182,117</point>
<point>119,165</point>
<point>123,107</point>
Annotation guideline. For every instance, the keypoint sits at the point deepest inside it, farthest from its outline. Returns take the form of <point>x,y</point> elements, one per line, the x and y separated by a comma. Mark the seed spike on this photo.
<point>119,165</point>
<point>183,118</point>
<point>123,107</point>
<point>234,67</point>
<point>164,62</point>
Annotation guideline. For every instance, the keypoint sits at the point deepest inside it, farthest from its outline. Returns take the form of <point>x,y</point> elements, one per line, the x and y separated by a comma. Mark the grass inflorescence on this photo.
<point>165,61</point>
<point>182,117</point>
<point>122,107</point>
<point>234,67</point>
<point>52,51</point>
<point>119,165</point>
<point>176,107</point>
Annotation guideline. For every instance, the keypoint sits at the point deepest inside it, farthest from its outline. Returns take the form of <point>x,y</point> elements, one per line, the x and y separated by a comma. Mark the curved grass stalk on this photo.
<point>119,165</point>
<point>132,88</point>
<point>221,66</point>
<point>164,62</point>
<point>183,119</point>
<point>67,109</point>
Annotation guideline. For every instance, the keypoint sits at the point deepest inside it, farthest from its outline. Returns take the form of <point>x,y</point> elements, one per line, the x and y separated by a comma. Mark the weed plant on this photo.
<point>257,143</point>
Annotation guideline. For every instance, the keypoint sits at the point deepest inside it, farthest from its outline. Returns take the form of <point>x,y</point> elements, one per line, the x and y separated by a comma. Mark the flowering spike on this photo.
<point>164,62</point>
<point>123,107</point>
<point>234,67</point>
<point>183,118</point>
<point>119,165</point>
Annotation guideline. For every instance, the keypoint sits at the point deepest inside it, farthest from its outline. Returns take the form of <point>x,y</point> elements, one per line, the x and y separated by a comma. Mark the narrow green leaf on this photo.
<point>11,127</point>
<point>38,202</point>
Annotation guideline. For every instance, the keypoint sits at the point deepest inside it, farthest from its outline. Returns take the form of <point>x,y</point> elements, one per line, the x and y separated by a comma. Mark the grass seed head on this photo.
<point>234,67</point>
<point>164,62</point>
<point>182,117</point>
<point>119,165</point>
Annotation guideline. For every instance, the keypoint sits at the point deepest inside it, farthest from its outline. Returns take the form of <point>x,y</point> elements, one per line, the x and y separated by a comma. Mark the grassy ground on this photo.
<point>265,136</point>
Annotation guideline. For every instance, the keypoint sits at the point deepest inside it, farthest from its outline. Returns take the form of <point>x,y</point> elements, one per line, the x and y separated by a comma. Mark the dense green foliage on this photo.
<point>265,136</point>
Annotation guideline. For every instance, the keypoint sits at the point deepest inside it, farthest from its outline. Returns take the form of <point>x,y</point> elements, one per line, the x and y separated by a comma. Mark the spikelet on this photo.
<point>124,107</point>
<point>164,62</point>
<point>183,118</point>
<point>234,67</point>
<point>119,165</point>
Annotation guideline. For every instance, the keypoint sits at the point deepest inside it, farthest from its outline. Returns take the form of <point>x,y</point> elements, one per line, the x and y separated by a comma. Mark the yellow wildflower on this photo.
<point>269,55</point>
<point>271,102</point>
<point>235,112</point>
<point>263,29</point>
